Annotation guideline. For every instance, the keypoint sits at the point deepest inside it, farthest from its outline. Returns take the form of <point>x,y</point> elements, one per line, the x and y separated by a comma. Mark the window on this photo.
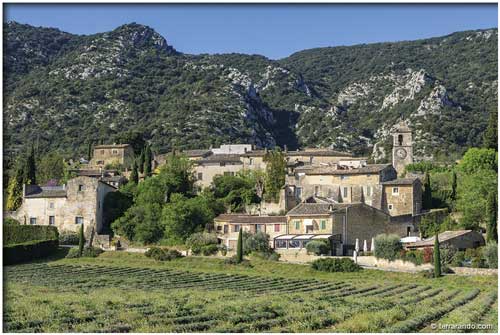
<point>281,244</point>
<point>79,220</point>
<point>115,152</point>
<point>297,224</point>
<point>259,227</point>
<point>390,207</point>
<point>52,220</point>
<point>298,192</point>
<point>277,228</point>
<point>345,192</point>
<point>102,152</point>
<point>323,224</point>
<point>395,190</point>
<point>51,205</point>
<point>32,220</point>
<point>408,231</point>
<point>316,190</point>
<point>200,175</point>
<point>226,229</point>
<point>368,191</point>
<point>250,161</point>
<point>222,164</point>
<point>294,244</point>
<point>236,229</point>
<point>228,173</point>
<point>81,188</point>
<point>219,228</point>
<point>400,139</point>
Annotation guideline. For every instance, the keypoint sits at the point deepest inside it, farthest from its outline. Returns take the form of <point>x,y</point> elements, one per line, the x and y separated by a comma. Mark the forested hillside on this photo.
<point>62,91</point>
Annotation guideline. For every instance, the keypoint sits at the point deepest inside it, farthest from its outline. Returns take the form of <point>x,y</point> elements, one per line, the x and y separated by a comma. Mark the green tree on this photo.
<point>437,257</point>
<point>50,167</point>
<point>89,151</point>
<point>427,196</point>
<point>453,194</point>
<point>134,175</point>
<point>239,247</point>
<point>148,158</point>
<point>472,194</point>
<point>30,169</point>
<point>490,136</point>
<point>141,161</point>
<point>275,174</point>
<point>15,189</point>
<point>81,241</point>
<point>235,191</point>
<point>183,216</point>
<point>478,159</point>
<point>492,210</point>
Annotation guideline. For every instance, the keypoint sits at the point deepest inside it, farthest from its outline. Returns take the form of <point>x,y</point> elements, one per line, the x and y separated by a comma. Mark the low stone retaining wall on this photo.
<point>397,265</point>
<point>463,271</point>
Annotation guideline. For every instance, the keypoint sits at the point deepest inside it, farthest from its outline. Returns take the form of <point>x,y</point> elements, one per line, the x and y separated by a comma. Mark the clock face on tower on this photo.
<point>401,153</point>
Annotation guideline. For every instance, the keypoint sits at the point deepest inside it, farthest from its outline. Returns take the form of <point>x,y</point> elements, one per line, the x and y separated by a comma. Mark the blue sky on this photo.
<point>274,31</point>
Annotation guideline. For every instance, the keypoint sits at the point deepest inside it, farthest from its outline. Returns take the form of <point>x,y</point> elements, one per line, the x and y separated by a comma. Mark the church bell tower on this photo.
<point>402,147</point>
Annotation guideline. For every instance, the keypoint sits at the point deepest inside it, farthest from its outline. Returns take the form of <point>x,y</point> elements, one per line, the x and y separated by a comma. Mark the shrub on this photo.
<point>270,256</point>
<point>15,234</point>
<point>318,247</point>
<point>208,250</point>
<point>387,246</point>
<point>490,254</point>
<point>233,260</point>
<point>255,242</point>
<point>28,251</point>
<point>458,259</point>
<point>10,221</point>
<point>223,250</point>
<point>335,265</point>
<point>68,238</point>
<point>160,254</point>
<point>476,257</point>
<point>87,252</point>
<point>414,256</point>
<point>201,242</point>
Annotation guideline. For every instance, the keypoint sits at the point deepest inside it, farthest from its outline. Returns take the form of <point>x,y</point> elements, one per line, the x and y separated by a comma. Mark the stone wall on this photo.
<point>397,265</point>
<point>463,271</point>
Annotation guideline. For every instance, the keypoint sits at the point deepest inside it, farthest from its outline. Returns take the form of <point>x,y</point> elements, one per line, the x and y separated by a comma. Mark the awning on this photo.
<point>284,237</point>
<point>303,237</point>
<point>308,222</point>
<point>317,237</point>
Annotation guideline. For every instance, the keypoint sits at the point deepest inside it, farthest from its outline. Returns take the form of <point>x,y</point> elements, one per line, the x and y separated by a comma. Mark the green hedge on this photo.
<point>387,246</point>
<point>27,251</point>
<point>335,265</point>
<point>16,234</point>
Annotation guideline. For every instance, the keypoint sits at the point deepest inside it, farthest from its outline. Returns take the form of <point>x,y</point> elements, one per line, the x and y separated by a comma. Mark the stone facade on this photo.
<point>402,197</point>
<point>112,154</point>
<point>227,227</point>
<point>459,239</point>
<point>81,200</point>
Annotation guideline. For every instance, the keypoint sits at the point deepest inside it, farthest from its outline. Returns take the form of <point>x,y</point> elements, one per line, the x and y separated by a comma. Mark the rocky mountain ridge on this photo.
<point>64,90</point>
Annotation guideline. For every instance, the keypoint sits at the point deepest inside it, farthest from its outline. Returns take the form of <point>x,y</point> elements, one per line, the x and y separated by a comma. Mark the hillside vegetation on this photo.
<point>63,91</point>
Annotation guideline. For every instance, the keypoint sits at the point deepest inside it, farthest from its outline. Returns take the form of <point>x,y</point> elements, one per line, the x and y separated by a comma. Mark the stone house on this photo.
<point>459,239</point>
<point>112,154</point>
<point>80,201</point>
<point>206,169</point>
<point>227,227</point>
<point>341,224</point>
<point>402,196</point>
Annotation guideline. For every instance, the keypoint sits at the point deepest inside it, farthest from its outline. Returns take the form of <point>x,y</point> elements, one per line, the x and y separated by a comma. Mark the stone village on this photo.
<point>327,195</point>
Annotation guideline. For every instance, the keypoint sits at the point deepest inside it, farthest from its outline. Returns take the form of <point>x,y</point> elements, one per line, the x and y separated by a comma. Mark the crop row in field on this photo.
<point>92,298</point>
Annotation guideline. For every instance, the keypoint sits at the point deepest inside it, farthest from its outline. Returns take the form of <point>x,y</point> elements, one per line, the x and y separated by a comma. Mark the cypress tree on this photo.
<point>427,197</point>
<point>490,137</point>
<point>491,229</point>
<point>89,153</point>
<point>453,195</point>
<point>134,175</point>
<point>141,161</point>
<point>81,241</point>
<point>437,257</point>
<point>15,190</point>
<point>148,157</point>
<point>239,247</point>
<point>30,169</point>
